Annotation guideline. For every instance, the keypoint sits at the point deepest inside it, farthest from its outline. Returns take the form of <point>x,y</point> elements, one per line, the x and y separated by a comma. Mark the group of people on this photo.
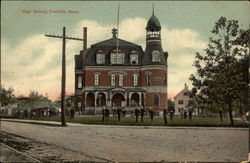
<point>187,112</point>
<point>138,112</point>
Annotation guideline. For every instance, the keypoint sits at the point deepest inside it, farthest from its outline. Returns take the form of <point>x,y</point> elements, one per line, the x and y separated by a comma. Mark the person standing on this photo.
<point>103,114</point>
<point>190,112</point>
<point>151,114</point>
<point>72,114</point>
<point>107,114</point>
<point>136,114</point>
<point>165,116</point>
<point>172,114</point>
<point>119,113</point>
<point>142,113</point>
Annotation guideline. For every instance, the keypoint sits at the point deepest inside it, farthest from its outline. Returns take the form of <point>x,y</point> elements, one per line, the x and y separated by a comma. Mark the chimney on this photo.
<point>185,86</point>
<point>84,45</point>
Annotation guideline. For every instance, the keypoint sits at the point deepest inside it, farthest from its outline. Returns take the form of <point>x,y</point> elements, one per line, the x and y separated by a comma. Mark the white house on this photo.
<point>181,100</point>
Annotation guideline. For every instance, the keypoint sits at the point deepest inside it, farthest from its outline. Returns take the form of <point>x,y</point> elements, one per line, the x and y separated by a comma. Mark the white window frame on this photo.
<point>156,56</point>
<point>112,79</point>
<point>117,58</point>
<point>79,84</point>
<point>97,79</point>
<point>148,79</point>
<point>121,79</point>
<point>135,79</point>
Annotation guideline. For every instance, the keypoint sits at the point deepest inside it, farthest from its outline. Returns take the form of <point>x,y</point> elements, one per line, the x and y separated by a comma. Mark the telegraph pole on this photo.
<point>63,37</point>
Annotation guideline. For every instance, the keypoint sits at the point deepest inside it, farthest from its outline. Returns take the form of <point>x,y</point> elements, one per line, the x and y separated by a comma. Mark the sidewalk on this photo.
<point>58,124</point>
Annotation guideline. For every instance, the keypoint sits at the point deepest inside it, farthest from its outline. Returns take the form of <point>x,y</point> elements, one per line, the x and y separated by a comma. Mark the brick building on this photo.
<point>115,72</point>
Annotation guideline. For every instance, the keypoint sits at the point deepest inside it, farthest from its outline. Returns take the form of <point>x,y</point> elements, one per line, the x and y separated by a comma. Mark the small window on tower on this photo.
<point>79,82</point>
<point>148,79</point>
<point>156,56</point>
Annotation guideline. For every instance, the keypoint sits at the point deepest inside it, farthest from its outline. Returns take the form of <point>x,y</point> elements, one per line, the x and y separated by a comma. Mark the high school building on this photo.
<point>115,72</point>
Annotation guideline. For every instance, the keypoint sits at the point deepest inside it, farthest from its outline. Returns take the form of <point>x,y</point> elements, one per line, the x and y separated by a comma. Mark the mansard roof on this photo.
<point>107,46</point>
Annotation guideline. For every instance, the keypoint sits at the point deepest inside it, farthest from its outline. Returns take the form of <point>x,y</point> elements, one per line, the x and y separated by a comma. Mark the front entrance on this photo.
<point>118,99</point>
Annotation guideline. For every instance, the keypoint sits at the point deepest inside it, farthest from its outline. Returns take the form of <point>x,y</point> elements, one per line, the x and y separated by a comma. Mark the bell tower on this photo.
<point>154,66</point>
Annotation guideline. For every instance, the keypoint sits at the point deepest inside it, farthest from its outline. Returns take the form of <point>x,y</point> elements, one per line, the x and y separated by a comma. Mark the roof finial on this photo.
<point>153,11</point>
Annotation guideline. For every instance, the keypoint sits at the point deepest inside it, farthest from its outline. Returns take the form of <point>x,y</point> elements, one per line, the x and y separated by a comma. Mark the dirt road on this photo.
<point>121,143</point>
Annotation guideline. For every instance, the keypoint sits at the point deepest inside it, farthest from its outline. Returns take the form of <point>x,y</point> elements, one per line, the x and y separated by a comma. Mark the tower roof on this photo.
<point>153,24</point>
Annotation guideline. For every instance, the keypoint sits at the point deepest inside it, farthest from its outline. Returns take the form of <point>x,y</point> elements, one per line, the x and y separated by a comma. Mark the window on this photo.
<point>148,79</point>
<point>79,104</point>
<point>100,57</point>
<point>121,79</point>
<point>117,57</point>
<point>180,102</point>
<point>135,79</point>
<point>79,82</point>
<point>156,100</point>
<point>156,56</point>
<point>112,79</point>
<point>165,79</point>
<point>185,93</point>
<point>97,79</point>
<point>133,58</point>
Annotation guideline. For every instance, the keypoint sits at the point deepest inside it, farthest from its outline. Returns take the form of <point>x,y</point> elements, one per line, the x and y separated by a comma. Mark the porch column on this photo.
<point>96,98</point>
<point>140,99</point>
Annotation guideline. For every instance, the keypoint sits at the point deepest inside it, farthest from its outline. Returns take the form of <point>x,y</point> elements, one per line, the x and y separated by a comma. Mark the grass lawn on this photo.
<point>158,121</point>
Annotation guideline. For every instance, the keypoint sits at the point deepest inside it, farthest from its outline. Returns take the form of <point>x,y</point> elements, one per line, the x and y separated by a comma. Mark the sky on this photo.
<point>32,62</point>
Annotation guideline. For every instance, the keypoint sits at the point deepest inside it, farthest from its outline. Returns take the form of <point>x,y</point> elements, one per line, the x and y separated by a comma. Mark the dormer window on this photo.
<point>156,56</point>
<point>100,57</point>
<point>116,57</point>
<point>133,58</point>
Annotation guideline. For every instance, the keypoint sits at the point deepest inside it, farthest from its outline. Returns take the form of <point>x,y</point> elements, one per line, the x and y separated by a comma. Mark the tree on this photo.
<point>6,95</point>
<point>219,77</point>
<point>171,105</point>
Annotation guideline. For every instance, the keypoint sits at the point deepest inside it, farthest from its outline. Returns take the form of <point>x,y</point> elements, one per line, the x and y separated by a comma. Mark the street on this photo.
<point>132,143</point>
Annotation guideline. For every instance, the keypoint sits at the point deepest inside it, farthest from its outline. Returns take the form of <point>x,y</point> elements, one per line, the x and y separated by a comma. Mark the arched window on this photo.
<point>112,79</point>
<point>116,57</point>
<point>133,58</point>
<point>100,57</point>
<point>156,56</point>
<point>156,100</point>
<point>121,77</point>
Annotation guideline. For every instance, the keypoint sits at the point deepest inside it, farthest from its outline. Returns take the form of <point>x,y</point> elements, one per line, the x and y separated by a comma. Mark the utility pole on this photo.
<point>63,37</point>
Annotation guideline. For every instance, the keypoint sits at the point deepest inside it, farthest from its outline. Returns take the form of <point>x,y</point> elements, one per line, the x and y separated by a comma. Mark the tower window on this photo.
<point>112,79</point>
<point>165,79</point>
<point>135,78</point>
<point>97,79</point>
<point>156,56</point>
<point>156,100</point>
<point>148,79</point>
<point>117,57</point>
<point>100,57</point>
<point>121,77</point>
<point>79,82</point>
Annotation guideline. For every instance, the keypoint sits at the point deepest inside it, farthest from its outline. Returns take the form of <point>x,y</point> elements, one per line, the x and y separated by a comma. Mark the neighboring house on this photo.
<point>181,100</point>
<point>119,73</point>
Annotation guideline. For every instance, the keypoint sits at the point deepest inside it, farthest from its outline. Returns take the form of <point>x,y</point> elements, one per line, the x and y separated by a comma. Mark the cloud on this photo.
<point>35,63</point>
